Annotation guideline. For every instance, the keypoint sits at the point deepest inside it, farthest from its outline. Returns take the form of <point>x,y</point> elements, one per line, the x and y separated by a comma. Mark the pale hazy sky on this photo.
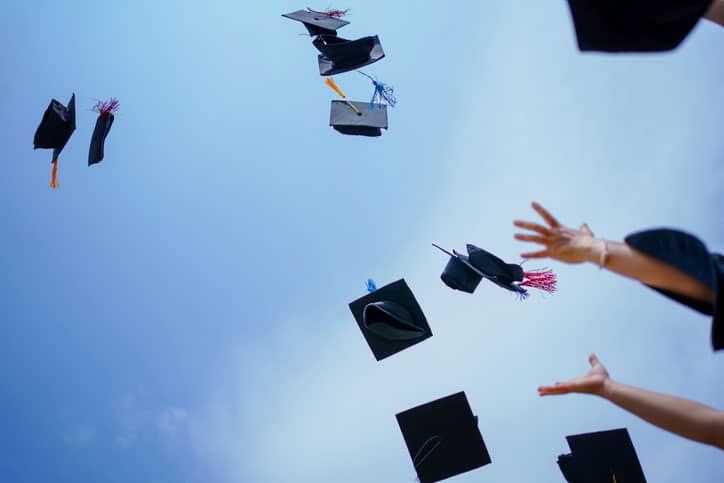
<point>178,313</point>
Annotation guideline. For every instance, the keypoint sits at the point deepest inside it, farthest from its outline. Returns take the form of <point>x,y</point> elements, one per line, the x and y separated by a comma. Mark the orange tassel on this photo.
<point>54,180</point>
<point>330,83</point>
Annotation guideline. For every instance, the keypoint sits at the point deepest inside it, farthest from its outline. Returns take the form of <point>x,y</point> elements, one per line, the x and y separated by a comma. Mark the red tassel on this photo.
<point>107,107</point>
<point>337,13</point>
<point>541,279</point>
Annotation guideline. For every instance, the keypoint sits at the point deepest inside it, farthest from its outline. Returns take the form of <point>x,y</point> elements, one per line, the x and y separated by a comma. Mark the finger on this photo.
<point>533,227</point>
<point>550,219</point>
<point>531,238</point>
<point>593,359</point>
<point>541,254</point>
<point>552,391</point>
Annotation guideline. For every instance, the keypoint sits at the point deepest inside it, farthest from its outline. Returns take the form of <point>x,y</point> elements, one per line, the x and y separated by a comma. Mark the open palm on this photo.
<point>560,242</point>
<point>591,383</point>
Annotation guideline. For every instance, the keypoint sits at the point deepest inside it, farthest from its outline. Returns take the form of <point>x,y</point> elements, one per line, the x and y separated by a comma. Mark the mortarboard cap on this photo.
<point>459,274</point>
<point>317,23</point>
<point>688,254</point>
<point>634,25</point>
<point>360,122</point>
<point>494,269</point>
<point>464,272</point>
<point>56,127</point>
<point>602,457</point>
<point>103,127</point>
<point>484,264</point>
<point>340,55</point>
<point>390,319</point>
<point>443,438</point>
<point>54,131</point>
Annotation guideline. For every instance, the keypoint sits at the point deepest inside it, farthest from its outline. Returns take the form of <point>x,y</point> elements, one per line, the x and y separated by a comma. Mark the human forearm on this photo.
<point>686,418</point>
<point>622,259</point>
<point>577,246</point>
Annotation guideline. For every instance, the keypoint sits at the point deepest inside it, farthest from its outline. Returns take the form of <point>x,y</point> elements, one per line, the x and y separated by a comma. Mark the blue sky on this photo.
<point>178,313</point>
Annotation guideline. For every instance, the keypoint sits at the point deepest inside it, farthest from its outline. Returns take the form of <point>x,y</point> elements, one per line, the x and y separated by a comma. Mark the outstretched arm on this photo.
<point>716,12</point>
<point>680,416</point>
<point>577,246</point>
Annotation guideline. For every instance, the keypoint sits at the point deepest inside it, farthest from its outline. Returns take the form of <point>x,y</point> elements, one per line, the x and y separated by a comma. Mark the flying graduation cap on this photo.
<point>104,122</point>
<point>319,23</point>
<point>354,118</point>
<point>443,438</point>
<point>634,25</point>
<point>465,272</point>
<point>390,319</point>
<point>358,120</point>
<point>690,255</point>
<point>338,55</point>
<point>602,457</point>
<point>54,131</point>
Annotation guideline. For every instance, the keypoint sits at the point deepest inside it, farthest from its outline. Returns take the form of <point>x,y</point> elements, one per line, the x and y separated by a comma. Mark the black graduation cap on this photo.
<point>54,131</point>
<point>103,127</point>
<point>602,457</point>
<point>687,253</point>
<point>390,319</point>
<point>464,272</point>
<point>459,274</point>
<point>317,23</point>
<point>340,55</point>
<point>443,438</point>
<point>360,121</point>
<point>634,25</point>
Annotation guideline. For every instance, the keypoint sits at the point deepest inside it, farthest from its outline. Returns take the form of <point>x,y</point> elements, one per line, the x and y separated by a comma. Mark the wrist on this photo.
<point>607,388</point>
<point>597,252</point>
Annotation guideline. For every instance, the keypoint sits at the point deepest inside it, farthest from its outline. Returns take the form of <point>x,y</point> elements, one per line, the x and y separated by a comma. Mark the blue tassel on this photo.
<point>371,287</point>
<point>384,94</point>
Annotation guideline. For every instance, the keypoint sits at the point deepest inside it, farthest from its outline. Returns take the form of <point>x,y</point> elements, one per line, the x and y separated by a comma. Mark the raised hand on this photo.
<point>561,243</point>
<point>593,382</point>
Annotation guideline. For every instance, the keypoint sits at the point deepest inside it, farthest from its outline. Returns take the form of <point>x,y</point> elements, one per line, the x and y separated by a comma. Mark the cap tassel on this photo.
<point>371,285</point>
<point>54,178</point>
<point>543,279</point>
<point>105,108</point>
<point>337,13</point>
<point>330,82</point>
<point>384,94</point>
<point>331,12</point>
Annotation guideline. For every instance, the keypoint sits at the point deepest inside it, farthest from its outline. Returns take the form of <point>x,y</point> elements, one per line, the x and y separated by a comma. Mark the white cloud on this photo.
<point>137,418</point>
<point>130,419</point>
<point>171,422</point>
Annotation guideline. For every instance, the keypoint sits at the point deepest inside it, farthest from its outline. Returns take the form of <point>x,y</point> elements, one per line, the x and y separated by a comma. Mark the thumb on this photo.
<point>593,360</point>
<point>586,229</point>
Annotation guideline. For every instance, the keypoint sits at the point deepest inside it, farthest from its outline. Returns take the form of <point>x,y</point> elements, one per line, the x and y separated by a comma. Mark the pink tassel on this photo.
<point>543,279</point>
<point>107,107</point>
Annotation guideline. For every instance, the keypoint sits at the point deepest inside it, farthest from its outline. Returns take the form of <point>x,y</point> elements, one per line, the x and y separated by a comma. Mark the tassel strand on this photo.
<point>331,12</point>
<point>54,178</point>
<point>107,107</point>
<point>330,82</point>
<point>543,279</point>
<point>383,94</point>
